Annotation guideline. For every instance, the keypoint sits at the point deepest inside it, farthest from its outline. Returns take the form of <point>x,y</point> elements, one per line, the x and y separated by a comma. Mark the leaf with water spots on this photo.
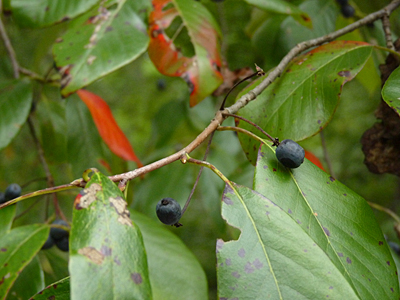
<point>391,91</point>
<point>303,100</point>
<point>107,254</point>
<point>336,219</point>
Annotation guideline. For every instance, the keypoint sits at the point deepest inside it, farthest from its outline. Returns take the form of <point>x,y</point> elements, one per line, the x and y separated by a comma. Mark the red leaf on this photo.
<point>311,157</point>
<point>108,128</point>
<point>202,71</point>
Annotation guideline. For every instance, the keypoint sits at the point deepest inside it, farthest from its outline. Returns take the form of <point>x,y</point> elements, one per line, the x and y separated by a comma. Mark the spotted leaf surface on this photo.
<point>200,71</point>
<point>336,219</point>
<point>391,91</point>
<point>17,248</point>
<point>47,12</point>
<point>59,290</point>
<point>303,100</point>
<point>101,41</point>
<point>107,255</point>
<point>274,258</point>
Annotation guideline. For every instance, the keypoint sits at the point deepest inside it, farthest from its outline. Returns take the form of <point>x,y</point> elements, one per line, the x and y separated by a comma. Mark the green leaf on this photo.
<point>282,7</point>
<point>15,104</point>
<point>189,280</point>
<point>6,218</point>
<point>98,43</point>
<point>59,290</point>
<point>273,257</point>
<point>107,255</point>
<point>339,221</point>
<point>17,248</point>
<point>29,282</point>
<point>41,13</point>
<point>303,100</point>
<point>391,91</point>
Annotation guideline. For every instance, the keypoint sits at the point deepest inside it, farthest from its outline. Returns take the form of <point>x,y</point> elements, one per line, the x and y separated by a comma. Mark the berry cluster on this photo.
<point>346,9</point>
<point>12,191</point>
<point>58,237</point>
<point>169,211</point>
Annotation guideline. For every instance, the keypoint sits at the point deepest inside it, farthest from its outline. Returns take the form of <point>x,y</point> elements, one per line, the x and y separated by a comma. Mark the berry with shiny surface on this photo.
<point>290,154</point>
<point>168,211</point>
<point>12,191</point>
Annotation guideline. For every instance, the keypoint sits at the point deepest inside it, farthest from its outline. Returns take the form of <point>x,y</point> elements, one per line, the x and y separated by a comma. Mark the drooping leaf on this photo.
<point>59,290</point>
<point>107,255</point>
<point>282,7</point>
<point>15,104</point>
<point>200,71</point>
<point>303,100</point>
<point>391,91</point>
<point>108,128</point>
<point>189,280</point>
<point>82,137</point>
<point>29,281</point>
<point>101,41</point>
<point>17,248</point>
<point>47,12</point>
<point>339,221</point>
<point>273,257</point>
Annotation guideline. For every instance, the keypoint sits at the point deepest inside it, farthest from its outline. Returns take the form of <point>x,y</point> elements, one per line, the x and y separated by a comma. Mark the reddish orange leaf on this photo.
<point>108,128</point>
<point>311,157</point>
<point>201,71</point>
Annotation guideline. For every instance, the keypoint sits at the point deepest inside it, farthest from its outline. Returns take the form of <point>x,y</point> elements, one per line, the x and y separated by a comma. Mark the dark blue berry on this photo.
<point>290,154</point>
<point>59,233</point>
<point>12,191</point>
<point>168,211</point>
<point>49,243</point>
<point>2,198</point>
<point>63,244</point>
<point>348,11</point>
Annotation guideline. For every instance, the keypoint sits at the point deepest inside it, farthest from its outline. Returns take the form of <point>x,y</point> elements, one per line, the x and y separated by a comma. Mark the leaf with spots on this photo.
<point>17,248</point>
<point>303,100</point>
<point>101,41</point>
<point>107,254</point>
<point>336,219</point>
<point>391,91</point>
<point>47,12</point>
<point>59,290</point>
<point>273,257</point>
<point>191,50</point>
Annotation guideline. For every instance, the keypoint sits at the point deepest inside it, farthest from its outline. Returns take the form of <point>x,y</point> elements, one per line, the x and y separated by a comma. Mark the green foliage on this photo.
<point>278,233</point>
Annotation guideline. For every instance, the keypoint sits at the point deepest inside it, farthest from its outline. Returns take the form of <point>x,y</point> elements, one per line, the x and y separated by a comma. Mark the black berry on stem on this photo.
<point>169,211</point>
<point>290,154</point>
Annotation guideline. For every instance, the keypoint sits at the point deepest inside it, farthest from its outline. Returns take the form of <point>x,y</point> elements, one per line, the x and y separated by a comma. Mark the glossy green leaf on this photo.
<point>41,13</point>
<point>302,101</point>
<point>189,280</point>
<point>15,104</point>
<point>17,248</point>
<point>59,290</point>
<point>338,220</point>
<point>29,282</point>
<point>273,257</point>
<point>101,41</point>
<point>391,91</point>
<point>7,215</point>
<point>107,255</point>
<point>282,7</point>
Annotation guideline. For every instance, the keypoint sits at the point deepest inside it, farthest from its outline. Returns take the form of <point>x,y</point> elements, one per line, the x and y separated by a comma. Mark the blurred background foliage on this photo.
<point>153,111</point>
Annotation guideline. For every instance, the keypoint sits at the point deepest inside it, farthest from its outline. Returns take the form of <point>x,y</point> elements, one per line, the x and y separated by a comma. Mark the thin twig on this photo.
<point>385,210</point>
<point>199,174</point>
<point>238,129</point>
<point>233,109</point>
<point>9,47</point>
<point>326,155</point>
<point>275,141</point>
<point>388,33</point>
<point>49,176</point>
